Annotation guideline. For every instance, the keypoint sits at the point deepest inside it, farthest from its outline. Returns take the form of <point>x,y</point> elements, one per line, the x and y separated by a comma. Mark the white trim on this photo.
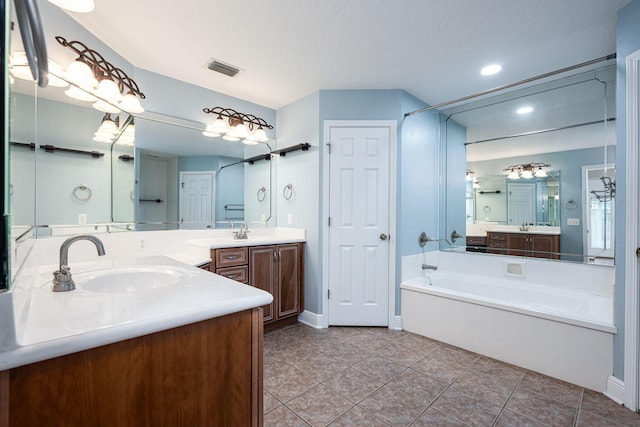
<point>393,137</point>
<point>615,390</point>
<point>586,206</point>
<point>312,319</point>
<point>631,318</point>
<point>397,323</point>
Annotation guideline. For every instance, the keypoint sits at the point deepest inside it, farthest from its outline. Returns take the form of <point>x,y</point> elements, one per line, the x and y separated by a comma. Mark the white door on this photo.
<point>521,203</point>
<point>359,226</point>
<point>196,200</point>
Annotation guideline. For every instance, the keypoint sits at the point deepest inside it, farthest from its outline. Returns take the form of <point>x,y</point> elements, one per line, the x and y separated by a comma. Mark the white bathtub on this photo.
<point>561,331</point>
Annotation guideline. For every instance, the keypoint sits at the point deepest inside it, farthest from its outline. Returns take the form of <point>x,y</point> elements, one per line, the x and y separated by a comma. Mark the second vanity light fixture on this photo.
<point>110,128</point>
<point>527,170</point>
<point>234,126</point>
<point>92,75</point>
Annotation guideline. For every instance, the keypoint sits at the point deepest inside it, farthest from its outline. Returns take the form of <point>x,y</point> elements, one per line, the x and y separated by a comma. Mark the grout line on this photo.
<point>575,419</point>
<point>504,405</point>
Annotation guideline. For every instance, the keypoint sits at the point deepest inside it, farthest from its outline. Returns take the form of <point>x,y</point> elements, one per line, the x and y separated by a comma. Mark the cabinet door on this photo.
<point>518,244</point>
<point>544,246</point>
<point>288,283</point>
<point>262,275</point>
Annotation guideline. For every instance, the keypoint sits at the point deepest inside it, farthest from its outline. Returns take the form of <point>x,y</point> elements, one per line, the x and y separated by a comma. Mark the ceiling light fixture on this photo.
<point>94,77</point>
<point>527,170</point>
<point>524,110</point>
<point>234,126</point>
<point>490,70</point>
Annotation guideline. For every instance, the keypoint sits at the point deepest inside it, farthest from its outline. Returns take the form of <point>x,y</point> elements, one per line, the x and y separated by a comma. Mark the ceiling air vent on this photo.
<point>220,67</point>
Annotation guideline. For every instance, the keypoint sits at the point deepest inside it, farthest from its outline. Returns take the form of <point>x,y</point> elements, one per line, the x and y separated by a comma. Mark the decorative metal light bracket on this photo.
<point>101,67</point>
<point>526,166</point>
<point>609,191</point>
<point>234,118</point>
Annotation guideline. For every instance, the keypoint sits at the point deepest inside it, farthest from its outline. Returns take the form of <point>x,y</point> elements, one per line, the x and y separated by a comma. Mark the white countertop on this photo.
<point>481,230</point>
<point>223,242</point>
<point>59,323</point>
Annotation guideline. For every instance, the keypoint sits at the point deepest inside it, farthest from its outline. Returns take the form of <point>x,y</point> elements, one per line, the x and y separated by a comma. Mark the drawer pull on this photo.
<point>232,276</point>
<point>233,256</point>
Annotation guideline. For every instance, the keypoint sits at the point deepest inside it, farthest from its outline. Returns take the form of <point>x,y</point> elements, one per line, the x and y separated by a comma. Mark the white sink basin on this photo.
<point>131,279</point>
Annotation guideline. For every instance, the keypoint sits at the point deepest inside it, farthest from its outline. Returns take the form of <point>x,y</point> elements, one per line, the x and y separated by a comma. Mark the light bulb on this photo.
<point>209,131</point>
<point>513,175</point>
<point>109,91</point>
<point>19,66</point>
<point>241,130</point>
<point>131,104</point>
<point>79,94</point>
<point>526,174</point>
<point>540,173</point>
<point>56,70</point>
<point>248,141</point>
<point>105,107</point>
<point>219,126</point>
<point>80,74</point>
<point>260,135</point>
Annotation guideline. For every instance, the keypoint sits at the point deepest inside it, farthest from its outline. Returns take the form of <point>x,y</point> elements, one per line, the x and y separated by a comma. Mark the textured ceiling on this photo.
<point>289,48</point>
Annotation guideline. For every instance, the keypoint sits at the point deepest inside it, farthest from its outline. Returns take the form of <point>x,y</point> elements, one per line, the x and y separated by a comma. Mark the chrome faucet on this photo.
<point>429,267</point>
<point>242,234</point>
<point>524,227</point>
<point>62,280</point>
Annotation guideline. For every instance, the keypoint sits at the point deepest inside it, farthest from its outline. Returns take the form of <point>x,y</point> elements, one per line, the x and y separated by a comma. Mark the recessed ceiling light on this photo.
<point>491,70</point>
<point>524,110</point>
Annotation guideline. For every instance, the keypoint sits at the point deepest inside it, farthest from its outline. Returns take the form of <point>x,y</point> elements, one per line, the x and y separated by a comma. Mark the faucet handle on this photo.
<point>62,280</point>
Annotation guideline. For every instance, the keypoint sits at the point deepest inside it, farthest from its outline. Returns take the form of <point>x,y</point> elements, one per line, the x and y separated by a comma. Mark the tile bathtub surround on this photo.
<point>358,376</point>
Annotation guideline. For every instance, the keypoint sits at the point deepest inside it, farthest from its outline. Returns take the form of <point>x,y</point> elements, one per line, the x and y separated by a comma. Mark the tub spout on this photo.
<point>429,267</point>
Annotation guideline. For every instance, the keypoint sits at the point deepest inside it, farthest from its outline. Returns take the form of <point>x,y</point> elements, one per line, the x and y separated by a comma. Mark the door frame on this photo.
<point>586,203</point>
<point>632,241</point>
<point>394,321</point>
<point>181,175</point>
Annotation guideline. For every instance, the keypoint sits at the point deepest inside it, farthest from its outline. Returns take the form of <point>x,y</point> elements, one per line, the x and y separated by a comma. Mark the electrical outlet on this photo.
<point>141,243</point>
<point>82,218</point>
<point>290,219</point>
<point>573,221</point>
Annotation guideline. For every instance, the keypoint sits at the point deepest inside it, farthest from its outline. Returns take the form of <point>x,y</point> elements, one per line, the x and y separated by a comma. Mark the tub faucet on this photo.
<point>62,280</point>
<point>429,267</point>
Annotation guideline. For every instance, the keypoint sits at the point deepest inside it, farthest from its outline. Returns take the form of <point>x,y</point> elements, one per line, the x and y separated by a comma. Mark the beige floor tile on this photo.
<point>289,384</point>
<point>270,402</point>
<point>319,406</point>
<point>379,367</point>
<point>546,410</point>
<point>598,404</point>
<point>320,366</point>
<point>512,419</point>
<point>420,386</point>
<point>394,407</point>
<point>552,388</point>
<point>353,384</point>
<point>283,417</point>
<point>466,407</point>
<point>488,387</point>
<point>504,371</point>
<point>400,354</point>
<point>439,368</point>
<point>357,417</point>
<point>434,418</point>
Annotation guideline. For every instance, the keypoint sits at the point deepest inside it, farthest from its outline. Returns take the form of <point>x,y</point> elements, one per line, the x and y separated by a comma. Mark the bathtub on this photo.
<point>550,326</point>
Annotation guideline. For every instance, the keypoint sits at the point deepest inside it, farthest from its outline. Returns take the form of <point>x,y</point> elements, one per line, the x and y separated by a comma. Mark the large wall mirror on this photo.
<point>187,180</point>
<point>532,172</point>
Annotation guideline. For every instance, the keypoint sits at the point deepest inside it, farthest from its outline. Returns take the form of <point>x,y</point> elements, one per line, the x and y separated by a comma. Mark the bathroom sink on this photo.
<point>131,279</point>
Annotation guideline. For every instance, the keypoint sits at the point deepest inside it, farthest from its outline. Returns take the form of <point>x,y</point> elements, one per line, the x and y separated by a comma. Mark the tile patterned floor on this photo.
<point>378,377</point>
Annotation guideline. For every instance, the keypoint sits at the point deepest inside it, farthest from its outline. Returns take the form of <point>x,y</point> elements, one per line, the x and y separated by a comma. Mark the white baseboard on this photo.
<point>615,390</point>
<point>397,323</point>
<point>311,319</point>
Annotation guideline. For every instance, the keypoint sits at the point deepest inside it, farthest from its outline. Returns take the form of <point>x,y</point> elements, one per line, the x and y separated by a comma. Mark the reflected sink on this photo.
<point>131,279</point>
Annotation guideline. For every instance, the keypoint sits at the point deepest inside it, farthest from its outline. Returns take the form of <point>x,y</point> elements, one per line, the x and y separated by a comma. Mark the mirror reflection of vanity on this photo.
<point>540,178</point>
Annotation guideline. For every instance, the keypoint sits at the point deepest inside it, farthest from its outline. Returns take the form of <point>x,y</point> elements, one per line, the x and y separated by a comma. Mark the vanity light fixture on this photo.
<point>81,6</point>
<point>527,170</point>
<point>108,129</point>
<point>490,70</point>
<point>95,79</point>
<point>19,68</point>
<point>234,126</point>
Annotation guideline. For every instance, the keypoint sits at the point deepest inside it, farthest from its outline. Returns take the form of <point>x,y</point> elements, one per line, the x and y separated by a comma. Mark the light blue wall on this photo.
<point>229,182</point>
<point>569,163</point>
<point>303,121</point>
<point>453,190</point>
<point>628,41</point>
<point>297,123</point>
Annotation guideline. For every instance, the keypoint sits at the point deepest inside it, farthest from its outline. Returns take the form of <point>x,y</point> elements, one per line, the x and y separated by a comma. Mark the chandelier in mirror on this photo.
<point>527,170</point>
<point>235,126</point>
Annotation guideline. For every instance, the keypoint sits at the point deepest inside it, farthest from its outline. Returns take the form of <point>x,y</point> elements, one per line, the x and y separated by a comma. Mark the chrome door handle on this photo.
<point>383,236</point>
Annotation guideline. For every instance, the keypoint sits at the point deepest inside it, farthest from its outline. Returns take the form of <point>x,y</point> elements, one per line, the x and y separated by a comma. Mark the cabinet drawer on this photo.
<point>476,241</point>
<point>495,236</point>
<point>496,244</point>
<point>231,257</point>
<point>239,274</point>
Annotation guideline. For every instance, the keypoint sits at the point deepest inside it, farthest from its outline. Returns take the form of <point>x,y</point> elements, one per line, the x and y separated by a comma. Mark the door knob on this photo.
<point>383,236</point>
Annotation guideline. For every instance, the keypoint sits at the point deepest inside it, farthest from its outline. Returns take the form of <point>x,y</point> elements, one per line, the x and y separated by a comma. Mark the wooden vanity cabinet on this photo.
<point>205,373</point>
<point>277,269</point>
<point>522,244</point>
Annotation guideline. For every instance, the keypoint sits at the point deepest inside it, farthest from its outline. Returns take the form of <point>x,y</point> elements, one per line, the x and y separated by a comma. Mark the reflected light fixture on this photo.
<point>526,170</point>
<point>469,175</point>
<point>80,6</point>
<point>234,126</point>
<point>95,79</point>
<point>19,68</point>
<point>490,70</point>
<point>524,110</point>
<point>108,129</point>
